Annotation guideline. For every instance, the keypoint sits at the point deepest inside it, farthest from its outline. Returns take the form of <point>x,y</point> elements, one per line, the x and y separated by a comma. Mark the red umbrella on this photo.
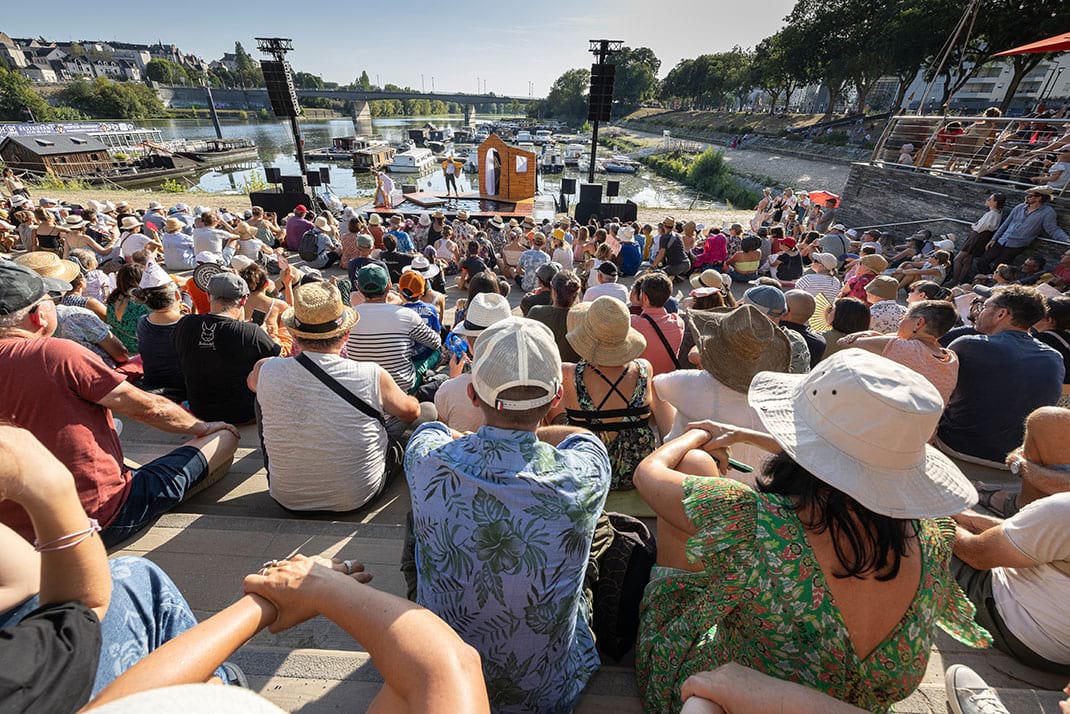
<point>819,197</point>
<point>1059,43</point>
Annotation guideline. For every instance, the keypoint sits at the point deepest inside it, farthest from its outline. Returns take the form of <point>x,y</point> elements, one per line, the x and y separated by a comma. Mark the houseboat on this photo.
<point>216,151</point>
<point>551,162</point>
<point>543,136</point>
<point>413,161</point>
<point>573,153</point>
<point>373,157</point>
<point>621,165</point>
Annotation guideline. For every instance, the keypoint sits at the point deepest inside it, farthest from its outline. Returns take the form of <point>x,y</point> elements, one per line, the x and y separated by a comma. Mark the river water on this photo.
<point>275,147</point>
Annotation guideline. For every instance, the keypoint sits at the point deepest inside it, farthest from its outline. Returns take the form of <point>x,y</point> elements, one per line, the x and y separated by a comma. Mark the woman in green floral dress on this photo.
<point>834,573</point>
<point>124,309</point>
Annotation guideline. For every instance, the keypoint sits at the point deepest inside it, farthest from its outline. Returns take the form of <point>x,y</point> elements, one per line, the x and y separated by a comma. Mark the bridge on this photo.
<point>257,98</point>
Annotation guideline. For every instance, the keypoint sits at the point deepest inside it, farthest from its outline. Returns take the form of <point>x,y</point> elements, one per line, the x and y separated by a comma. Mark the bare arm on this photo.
<point>664,412</point>
<point>741,690</point>
<point>40,483</point>
<point>115,349</point>
<point>159,412</point>
<point>98,308</point>
<point>395,401</point>
<point>990,549</point>
<point>872,344</point>
<point>661,485</point>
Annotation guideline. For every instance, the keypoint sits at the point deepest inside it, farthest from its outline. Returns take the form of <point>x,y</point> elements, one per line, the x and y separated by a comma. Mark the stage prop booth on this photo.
<point>506,173</point>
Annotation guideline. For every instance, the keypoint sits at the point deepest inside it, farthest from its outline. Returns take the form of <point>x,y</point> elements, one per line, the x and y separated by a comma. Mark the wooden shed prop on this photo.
<point>506,173</point>
<point>61,154</point>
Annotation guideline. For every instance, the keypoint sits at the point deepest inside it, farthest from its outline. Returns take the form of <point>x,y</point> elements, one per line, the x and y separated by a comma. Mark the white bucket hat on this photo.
<point>861,423</point>
<point>423,266</point>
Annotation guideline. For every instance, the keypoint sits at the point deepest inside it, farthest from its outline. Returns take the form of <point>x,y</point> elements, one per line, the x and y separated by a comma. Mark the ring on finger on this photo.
<point>349,566</point>
<point>270,564</point>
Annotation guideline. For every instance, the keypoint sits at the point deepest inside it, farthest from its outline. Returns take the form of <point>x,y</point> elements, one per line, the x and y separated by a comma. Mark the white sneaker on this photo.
<point>967,693</point>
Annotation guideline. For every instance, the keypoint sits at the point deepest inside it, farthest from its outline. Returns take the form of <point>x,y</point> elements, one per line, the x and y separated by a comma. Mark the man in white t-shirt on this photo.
<point>455,408</point>
<point>211,237</point>
<point>1058,173</point>
<point>323,453</point>
<point>606,275</point>
<point>1017,571</point>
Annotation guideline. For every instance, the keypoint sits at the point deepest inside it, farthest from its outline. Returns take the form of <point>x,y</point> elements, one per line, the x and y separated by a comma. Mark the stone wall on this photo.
<point>876,195</point>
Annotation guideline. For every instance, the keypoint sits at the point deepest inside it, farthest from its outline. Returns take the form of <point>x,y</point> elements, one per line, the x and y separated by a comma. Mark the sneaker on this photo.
<point>235,677</point>
<point>967,693</point>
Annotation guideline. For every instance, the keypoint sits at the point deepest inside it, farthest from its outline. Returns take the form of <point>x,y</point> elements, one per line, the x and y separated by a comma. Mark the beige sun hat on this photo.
<point>318,312</point>
<point>601,332</point>
<point>735,343</point>
<point>876,263</point>
<point>708,278</point>
<point>883,286</point>
<point>129,223</point>
<point>49,265</point>
<point>861,423</point>
<point>375,219</point>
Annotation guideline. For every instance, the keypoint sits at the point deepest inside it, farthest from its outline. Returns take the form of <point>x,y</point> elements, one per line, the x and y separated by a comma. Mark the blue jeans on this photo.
<point>146,610</point>
<point>155,489</point>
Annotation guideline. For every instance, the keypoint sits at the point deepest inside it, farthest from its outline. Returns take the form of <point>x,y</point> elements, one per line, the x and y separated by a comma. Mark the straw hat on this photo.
<point>73,222</point>
<point>602,332</point>
<point>318,313</point>
<point>861,423</point>
<point>496,221</point>
<point>425,219</point>
<point>129,223</point>
<point>375,219</point>
<point>736,343</point>
<point>438,215</point>
<point>876,263</point>
<point>883,286</point>
<point>49,265</point>
<point>173,225</point>
<point>709,278</point>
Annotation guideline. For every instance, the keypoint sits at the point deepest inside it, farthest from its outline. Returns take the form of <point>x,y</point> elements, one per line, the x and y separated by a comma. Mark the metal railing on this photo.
<point>1010,152</point>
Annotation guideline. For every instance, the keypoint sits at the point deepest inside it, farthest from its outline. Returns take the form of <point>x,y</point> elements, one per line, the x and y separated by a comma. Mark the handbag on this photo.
<point>623,573</point>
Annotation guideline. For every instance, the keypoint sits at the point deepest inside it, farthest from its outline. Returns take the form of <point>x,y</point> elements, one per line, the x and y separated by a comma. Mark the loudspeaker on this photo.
<point>273,174</point>
<point>584,211</point>
<point>293,184</point>
<point>626,211</point>
<point>280,202</point>
<point>314,178</point>
<point>409,188</point>
<point>325,175</point>
<point>568,185</point>
<point>590,193</point>
<point>612,188</point>
<point>280,88</point>
<point>600,98</point>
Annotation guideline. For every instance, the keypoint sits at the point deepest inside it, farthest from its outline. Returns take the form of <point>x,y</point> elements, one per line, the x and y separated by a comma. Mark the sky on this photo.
<point>449,43</point>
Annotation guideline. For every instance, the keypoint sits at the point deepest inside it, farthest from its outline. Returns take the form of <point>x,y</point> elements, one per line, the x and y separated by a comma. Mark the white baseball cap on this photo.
<point>485,310</point>
<point>516,352</point>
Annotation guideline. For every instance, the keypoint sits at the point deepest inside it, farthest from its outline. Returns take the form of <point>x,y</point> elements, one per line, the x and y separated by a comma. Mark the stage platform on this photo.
<point>474,204</point>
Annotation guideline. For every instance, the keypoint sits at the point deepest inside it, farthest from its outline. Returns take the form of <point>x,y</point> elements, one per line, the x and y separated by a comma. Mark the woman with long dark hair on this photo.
<point>833,573</point>
<point>125,307</point>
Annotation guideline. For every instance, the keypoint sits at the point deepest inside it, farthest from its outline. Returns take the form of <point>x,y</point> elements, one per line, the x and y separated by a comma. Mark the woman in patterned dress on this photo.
<point>832,574</point>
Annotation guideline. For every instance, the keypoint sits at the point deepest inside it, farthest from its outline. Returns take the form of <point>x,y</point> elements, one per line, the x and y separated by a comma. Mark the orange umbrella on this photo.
<point>819,197</point>
<point>1058,43</point>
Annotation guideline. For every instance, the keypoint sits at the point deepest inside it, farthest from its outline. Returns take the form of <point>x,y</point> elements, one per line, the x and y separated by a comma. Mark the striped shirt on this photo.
<point>815,283</point>
<point>388,335</point>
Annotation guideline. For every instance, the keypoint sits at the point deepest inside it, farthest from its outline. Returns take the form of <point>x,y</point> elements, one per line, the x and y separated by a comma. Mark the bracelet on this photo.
<point>57,543</point>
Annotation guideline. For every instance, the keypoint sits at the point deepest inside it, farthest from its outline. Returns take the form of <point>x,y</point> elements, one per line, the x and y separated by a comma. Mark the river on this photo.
<point>275,147</point>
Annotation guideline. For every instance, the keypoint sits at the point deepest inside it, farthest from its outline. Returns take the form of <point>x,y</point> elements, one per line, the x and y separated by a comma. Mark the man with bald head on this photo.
<point>800,309</point>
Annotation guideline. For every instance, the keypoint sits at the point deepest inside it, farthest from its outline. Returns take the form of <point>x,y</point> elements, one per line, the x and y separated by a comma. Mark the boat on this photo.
<point>616,167</point>
<point>413,161</point>
<point>373,157</point>
<point>439,148</point>
<point>543,136</point>
<point>342,148</point>
<point>216,151</point>
<point>144,170</point>
<point>551,162</point>
<point>573,153</point>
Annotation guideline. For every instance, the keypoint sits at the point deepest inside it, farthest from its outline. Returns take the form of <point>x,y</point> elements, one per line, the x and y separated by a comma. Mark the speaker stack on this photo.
<point>600,99</point>
<point>280,88</point>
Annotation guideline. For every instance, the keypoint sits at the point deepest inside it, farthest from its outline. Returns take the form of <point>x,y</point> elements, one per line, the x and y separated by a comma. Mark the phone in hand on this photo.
<point>258,317</point>
<point>457,345</point>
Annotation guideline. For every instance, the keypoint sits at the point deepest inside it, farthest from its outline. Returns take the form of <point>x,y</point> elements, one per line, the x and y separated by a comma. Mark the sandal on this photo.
<point>986,493</point>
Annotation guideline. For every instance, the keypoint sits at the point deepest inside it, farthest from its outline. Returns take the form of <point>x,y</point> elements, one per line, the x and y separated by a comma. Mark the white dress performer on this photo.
<point>384,186</point>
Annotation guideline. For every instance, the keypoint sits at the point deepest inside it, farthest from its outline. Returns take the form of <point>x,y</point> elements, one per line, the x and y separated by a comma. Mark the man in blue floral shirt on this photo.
<point>503,521</point>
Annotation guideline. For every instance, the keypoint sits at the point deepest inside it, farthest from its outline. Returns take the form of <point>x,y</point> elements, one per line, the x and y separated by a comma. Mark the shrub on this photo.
<point>173,186</point>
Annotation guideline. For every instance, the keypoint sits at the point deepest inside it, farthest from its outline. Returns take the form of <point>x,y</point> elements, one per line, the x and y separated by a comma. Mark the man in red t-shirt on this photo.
<point>64,394</point>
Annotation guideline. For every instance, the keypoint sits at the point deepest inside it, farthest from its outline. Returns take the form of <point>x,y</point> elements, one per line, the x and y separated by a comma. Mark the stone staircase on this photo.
<point>211,542</point>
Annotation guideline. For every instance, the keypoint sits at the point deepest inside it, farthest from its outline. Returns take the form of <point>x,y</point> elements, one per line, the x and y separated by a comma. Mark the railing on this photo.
<point>993,150</point>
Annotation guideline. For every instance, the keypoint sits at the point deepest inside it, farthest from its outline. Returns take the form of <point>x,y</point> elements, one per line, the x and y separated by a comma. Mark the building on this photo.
<point>1049,82</point>
<point>59,154</point>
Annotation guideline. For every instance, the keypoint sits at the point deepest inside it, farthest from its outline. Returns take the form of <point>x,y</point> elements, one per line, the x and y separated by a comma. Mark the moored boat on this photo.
<point>413,161</point>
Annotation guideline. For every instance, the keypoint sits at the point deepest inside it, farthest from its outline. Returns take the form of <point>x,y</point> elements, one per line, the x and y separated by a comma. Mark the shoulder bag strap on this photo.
<point>332,384</point>
<point>664,342</point>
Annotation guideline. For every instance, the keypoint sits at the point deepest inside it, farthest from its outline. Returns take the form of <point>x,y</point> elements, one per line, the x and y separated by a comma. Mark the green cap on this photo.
<point>373,279</point>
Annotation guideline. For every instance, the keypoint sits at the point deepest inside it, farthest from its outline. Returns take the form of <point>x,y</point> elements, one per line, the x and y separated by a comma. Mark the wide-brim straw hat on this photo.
<point>49,265</point>
<point>861,423</point>
<point>173,225</point>
<point>601,332</point>
<point>708,278</point>
<point>73,223</point>
<point>735,343</point>
<point>876,263</point>
<point>318,312</point>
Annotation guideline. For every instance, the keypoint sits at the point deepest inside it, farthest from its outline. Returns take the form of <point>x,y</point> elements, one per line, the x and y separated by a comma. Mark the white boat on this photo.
<point>523,136</point>
<point>413,161</point>
<point>573,154</point>
<point>544,136</point>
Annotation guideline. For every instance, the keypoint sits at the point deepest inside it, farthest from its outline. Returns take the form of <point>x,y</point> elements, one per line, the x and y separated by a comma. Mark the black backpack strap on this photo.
<point>664,342</point>
<point>332,384</point>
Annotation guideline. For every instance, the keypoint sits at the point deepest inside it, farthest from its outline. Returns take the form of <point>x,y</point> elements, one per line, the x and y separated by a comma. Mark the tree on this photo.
<point>364,82</point>
<point>247,70</point>
<point>305,80</point>
<point>567,98</point>
<point>105,99</point>
<point>17,95</point>
<point>636,77</point>
<point>165,72</point>
<point>780,64</point>
<point>1009,23</point>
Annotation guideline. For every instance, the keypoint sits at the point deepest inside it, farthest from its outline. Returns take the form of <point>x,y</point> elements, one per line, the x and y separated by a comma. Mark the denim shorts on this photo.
<point>155,489</point>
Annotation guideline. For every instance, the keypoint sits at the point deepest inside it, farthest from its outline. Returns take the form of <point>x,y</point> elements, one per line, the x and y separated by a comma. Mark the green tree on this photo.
<point>305,80</point>
<point>247,71</point>
<point>567,98</point>
<point>779,65</point>
<point>105,99</point>
<point>636,78</point>
<point>165,72</point>
<point>364,82</point>
<point>17,95</point>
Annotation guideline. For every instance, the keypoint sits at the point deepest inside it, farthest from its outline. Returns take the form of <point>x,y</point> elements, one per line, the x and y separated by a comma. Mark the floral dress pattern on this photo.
<point>126,328</point>
<point>762,601</point>
<point>503,525</point>
<point>629,446</point>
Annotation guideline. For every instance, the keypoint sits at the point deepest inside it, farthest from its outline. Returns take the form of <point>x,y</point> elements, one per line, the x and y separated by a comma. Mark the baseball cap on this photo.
<point>412,285</point>
<point>838,227</point>
<point>21,287</point>
<point>227,286</point>
<point>373,279</point>
<point>365,241</point>
<point>299,208</point>
<point>827,259</point>
<point>547,271</point>
<point>516,352</point>
<point>770,300</point>
<point>608,268</point>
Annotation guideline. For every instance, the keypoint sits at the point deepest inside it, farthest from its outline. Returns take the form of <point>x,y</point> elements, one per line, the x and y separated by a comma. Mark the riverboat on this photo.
<point>551,162</point>
<point>216,151</point>
<point>573,153</point>
<point>413,161</point>
<point>373,157</point>
<point>543,136</point>
<point>342,148</point>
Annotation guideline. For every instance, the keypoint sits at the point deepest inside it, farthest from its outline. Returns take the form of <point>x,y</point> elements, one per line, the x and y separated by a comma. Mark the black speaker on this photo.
<point>600,98</point>
<point>325,175</point>
<point>591,193</point>
<point>293,184</point>
<point>314,178</point>
<point>280,202</point>
<point>409,188</point>
<point>584,211</point>
<point>568,186</point>
<point>612,188</point>
<point>280,88</point>
<point>273,174</point>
